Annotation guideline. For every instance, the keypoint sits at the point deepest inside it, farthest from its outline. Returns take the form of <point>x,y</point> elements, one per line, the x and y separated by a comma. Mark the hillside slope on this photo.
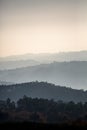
<point>42,90</point>
<point>72,74</point>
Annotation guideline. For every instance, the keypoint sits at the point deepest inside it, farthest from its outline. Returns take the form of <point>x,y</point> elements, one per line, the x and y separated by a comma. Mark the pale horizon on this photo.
<point>43,53</point>
<point>42,26</point>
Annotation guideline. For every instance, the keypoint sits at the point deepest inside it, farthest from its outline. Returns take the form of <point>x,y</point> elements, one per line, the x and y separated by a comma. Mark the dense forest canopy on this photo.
<point>42,110</point>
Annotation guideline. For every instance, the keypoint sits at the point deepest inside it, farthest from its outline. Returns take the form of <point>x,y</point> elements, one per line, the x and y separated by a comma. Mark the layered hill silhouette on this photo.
<point>42,90</point>
<point>71,74</point>
<point>61,56</point>
<point>12,62</point>
<point>7,65</point>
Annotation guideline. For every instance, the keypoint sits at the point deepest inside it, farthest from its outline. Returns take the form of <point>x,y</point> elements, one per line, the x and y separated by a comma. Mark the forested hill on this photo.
<point>42,90</point>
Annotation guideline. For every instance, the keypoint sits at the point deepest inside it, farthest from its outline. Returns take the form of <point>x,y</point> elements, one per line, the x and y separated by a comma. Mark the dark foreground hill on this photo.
<point>42,90</point>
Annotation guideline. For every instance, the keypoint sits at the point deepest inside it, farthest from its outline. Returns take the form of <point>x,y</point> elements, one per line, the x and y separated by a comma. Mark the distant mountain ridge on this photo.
<point>12,62</point>
<point>45,57</point>
<point>6,65</point>
<point>72,74</point>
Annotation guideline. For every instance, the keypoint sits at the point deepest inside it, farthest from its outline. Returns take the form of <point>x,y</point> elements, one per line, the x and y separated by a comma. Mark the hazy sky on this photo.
<point>35,26</point>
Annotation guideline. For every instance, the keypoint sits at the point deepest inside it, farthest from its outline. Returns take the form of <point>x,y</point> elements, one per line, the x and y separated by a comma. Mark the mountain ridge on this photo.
<point>72,74</point>
<point>42,90</point>
<point>79,54</point>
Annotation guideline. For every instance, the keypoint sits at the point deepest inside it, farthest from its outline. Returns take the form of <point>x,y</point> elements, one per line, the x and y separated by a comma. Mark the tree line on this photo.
<point>42,110</point>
